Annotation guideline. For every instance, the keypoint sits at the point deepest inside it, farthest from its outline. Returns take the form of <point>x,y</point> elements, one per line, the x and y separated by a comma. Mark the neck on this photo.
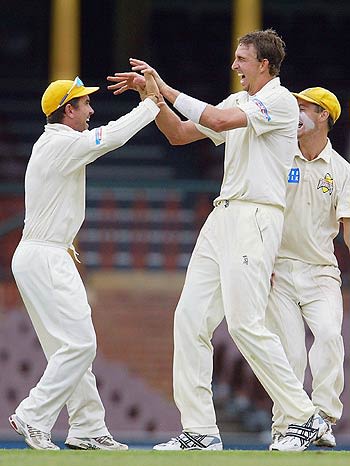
<point>259,85</point>
<point>312,146</point>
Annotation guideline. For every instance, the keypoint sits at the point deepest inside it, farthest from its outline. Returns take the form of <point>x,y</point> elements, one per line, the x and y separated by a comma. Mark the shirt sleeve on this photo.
<point>343,196</point>
<point>80,149</point>
<point>217,138</point>
<point>271,112</point>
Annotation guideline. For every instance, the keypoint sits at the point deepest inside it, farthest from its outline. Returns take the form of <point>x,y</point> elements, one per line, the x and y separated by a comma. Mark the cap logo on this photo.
<point>76,83</point>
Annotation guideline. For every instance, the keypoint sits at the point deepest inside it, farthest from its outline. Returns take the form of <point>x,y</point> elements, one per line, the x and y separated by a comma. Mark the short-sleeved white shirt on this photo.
<point>55,176</point>
<point>318,197</point>
<point>259,156</point>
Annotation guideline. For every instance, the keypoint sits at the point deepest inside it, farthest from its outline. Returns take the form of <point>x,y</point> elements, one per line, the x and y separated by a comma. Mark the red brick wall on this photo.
<point>133,316</point>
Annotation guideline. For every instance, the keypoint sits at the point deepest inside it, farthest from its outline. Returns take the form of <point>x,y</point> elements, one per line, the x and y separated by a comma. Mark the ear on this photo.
<point>264,65</point>
<point>69,110</point>
<point>324,115</point>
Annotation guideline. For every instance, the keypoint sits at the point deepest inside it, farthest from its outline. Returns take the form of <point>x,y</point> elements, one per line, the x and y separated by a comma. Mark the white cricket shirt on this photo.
<point>259,156</point>
<point>318,196</point>
<point>55,176</point>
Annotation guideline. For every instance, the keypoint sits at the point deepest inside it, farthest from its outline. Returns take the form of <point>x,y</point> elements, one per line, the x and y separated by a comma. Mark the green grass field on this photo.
<point>151,458</point>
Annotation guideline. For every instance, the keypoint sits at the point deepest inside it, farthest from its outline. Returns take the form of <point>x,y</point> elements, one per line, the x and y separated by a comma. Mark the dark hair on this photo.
<point>57,115</point>
<point>330,121</point>
<point>268,45</point>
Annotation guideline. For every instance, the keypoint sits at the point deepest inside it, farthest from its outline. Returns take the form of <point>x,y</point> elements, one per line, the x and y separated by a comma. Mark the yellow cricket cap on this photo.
<point>322,97</point>
<point>62,91</point>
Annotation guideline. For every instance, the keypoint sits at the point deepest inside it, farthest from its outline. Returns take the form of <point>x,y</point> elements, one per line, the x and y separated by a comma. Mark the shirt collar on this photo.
<point>54,127</point>
<point>324,155</point>
<point>269,86</point>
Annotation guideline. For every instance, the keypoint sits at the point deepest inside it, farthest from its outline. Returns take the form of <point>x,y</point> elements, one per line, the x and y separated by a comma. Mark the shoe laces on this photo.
<point>276,435</point>
<point>305,432</point>
<point>104,439</point>
<point>189,440</point>
<point>36,433</point>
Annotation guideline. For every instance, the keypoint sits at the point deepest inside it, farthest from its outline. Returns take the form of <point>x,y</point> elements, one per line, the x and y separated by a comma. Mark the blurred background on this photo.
<point>147,201</point>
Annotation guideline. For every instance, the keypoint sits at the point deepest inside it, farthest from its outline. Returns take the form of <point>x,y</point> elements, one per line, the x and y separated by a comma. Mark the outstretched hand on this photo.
<point>140,65</point>
<point>149,83</point>
<point>126,81</point>
<point>145,85</point>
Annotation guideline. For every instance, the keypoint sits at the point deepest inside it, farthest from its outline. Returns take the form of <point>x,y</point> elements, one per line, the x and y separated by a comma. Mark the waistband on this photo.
<point>227,202</point>
<point>52,244</point>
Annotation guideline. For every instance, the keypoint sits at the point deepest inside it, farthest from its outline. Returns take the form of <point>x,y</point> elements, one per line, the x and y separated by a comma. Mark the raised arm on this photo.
<point>196,110</point>
<point>177,132</point>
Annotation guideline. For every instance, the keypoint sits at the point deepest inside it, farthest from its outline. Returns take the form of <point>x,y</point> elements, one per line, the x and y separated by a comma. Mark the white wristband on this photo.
<point>190,108</point>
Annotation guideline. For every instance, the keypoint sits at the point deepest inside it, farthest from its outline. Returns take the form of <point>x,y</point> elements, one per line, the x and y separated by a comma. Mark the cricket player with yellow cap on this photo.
<point>306,280</point>
<point>45,273</point>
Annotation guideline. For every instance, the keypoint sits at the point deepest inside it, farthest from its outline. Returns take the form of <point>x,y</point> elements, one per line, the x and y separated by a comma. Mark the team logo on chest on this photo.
<point>294,175</point>
<point>326,184</point>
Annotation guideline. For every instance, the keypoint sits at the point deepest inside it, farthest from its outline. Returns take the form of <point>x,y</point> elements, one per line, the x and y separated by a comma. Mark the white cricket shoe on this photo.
<point>34,438</point>
<point>299,437</point>
<point>327,439</point>
<point>105,442</point>
<point>276,437</point>
<point>191,441</point>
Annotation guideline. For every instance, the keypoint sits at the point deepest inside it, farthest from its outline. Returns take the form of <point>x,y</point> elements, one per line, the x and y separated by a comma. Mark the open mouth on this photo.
<point>241,77</point>
<point>300,125</point>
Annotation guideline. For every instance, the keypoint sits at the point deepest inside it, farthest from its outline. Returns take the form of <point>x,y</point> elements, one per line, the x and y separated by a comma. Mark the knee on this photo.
<point>239,331</point>
<point>86,352</point>
<point>183,320</point>
<point>90,350</point>
<point>327,334</point>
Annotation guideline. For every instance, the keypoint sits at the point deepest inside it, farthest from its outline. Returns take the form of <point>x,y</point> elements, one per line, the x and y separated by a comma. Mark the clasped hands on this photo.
<point>148,84</point>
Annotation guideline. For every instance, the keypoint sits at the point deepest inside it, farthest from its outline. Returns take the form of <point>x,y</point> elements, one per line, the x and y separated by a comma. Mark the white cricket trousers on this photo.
<point>229,276</point>
<point>312,293</point>
<point>56,301</point>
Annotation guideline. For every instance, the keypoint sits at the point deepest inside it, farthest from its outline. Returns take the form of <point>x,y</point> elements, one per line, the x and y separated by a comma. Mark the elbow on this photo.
<point>216,124</point>
<point>172,140</point>
<point>219,126</point>
<point>175,140</point>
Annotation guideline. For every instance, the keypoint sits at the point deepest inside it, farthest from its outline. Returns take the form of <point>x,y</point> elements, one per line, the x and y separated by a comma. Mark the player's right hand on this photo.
<point>140,65</point>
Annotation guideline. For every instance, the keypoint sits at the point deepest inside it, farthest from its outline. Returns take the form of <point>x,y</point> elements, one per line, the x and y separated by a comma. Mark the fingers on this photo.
<point>117,85</point>
<point>136,62</point>
<point>118,91</point>
<point>135,81</point>
<point>131,78</point>
<point>138,65</point>
<point>125,81</point>
<point>122,76</point>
